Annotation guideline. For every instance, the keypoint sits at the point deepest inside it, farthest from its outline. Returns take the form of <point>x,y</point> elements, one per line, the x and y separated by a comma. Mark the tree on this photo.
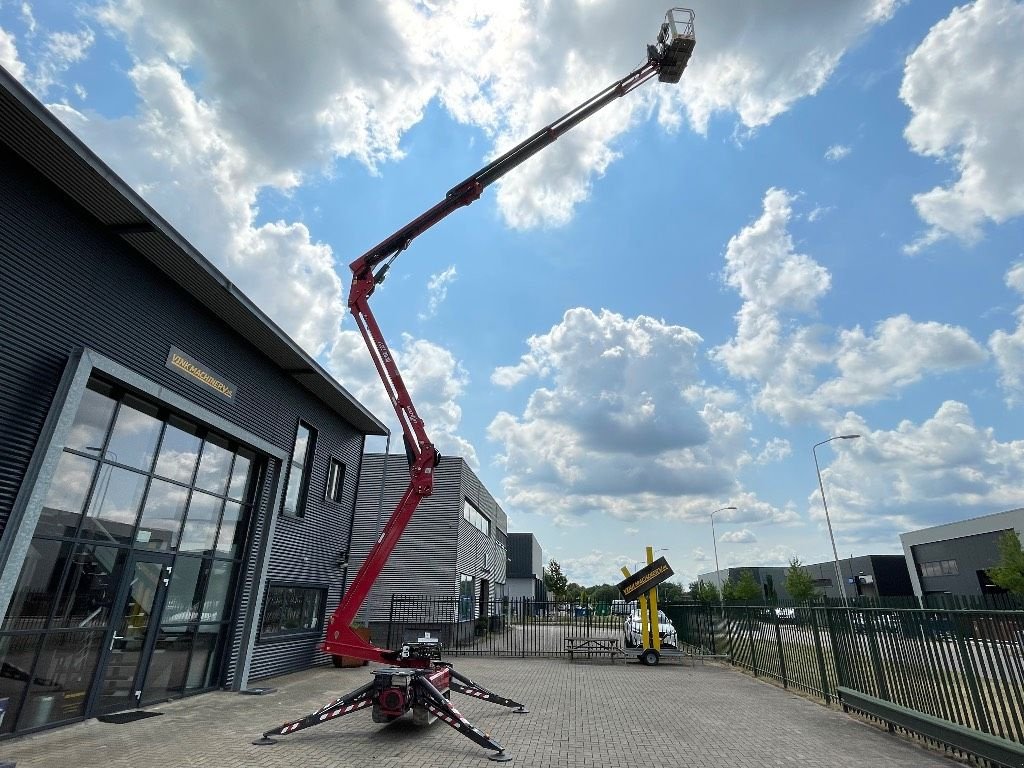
<point>605,593</point>
<point>670,592</point>
<point>799,583</point>
<point>1009,573</point>
<point>704,591</point>
<point>555,580</point>
<point>745,590</point>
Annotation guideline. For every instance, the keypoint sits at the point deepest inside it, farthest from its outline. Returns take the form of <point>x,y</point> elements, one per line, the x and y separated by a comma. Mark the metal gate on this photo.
<point>504,627</point>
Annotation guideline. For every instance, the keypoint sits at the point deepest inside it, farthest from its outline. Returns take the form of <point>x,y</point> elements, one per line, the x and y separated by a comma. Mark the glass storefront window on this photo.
<point>62,678</point>
<point>160,525</point>
<point>92,420</point>
<point>179,450</point>
<point>38,583</point>
<point>214,466</point>
<point>216,603</point>
<point>203,669</point>
<point>17,654</point>
<point>200,523</point>
<point>292,610</point>
<point>232,534</point>
<point>169,665</point>
<point>115,505</point>
<point>185,592</point>
<point>240,474</point>
<point>136,431</point>
<point>90,587</point>
<point>62,509</point>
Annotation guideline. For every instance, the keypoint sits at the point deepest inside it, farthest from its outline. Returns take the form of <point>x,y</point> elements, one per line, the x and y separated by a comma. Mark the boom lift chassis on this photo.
<point>417,679</point>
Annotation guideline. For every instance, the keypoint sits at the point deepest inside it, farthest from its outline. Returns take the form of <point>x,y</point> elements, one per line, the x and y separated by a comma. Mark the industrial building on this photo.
<point>952,559</point>
<point>867,576</point>
<point>177,479</point>
<point>453,554</point>
<point>525,568</point>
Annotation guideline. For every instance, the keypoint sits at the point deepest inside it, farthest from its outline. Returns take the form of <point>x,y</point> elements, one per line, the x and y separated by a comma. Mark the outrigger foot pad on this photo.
<point>500,757</point>
<point>521,711</point>
<point>264,741</point>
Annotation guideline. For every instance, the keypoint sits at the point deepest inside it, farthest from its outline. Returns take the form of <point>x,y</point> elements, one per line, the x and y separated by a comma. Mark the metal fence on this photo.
<point>964,666</point>
<point>505,627</point>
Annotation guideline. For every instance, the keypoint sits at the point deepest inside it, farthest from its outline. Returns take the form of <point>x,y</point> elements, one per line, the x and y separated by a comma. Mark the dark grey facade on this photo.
<point>97,296</point>
<point>864,576</point>
<point>953,558</point>
<point>525,567</point>
<point>441,553</point>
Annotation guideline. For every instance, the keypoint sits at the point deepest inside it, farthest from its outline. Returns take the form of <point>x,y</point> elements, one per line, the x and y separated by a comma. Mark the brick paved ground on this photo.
<point>582,714</point>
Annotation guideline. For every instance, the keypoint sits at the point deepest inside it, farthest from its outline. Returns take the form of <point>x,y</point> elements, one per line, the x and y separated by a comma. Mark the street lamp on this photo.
<point>832,538</point>
<point>714,542</point>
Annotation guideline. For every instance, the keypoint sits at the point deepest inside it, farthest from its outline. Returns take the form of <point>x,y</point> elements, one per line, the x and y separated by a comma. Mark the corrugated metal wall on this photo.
<point>438,544</point>
<point>64,282</point>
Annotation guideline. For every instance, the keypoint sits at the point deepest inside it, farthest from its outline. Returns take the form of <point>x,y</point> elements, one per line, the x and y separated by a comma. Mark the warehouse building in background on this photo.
<point>177,477</point>
<point>525,568</point>
<point>953,559</point>
<point>451,562</point>
<point>863,576</point>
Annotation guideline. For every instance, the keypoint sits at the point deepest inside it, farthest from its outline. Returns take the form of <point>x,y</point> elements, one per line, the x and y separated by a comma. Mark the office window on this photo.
<point>467,590</point>
<point>940,568</point>
<point>292,610</point>
<point>335,480</point>
<point>297,489</point>
<point>473,515</point>
<point>823,582</point>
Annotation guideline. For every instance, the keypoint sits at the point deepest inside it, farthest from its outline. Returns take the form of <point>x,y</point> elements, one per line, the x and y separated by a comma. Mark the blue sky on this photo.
<point>817,232</point>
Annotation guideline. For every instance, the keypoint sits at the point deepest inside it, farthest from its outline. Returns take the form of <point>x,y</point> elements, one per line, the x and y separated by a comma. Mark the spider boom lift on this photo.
<point>417,679</point>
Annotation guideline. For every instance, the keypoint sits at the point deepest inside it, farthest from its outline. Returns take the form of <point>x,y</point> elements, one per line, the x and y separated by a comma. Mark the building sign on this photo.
<point>645,579</point>
<point>192,369</point>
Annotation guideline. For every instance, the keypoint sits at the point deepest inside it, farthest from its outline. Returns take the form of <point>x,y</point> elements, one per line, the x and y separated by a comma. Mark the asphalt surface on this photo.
<point>590,713</point>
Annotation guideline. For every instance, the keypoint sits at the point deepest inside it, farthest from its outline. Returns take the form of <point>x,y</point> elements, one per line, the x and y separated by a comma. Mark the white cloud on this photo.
<point>436,383</point>
<point>437,290</point>
<point>965,87</point>
<point>818,211</point>
<point>892,481</point>
<point>836,152</point>
<point>774,450</point>
<point>810,371</point>
<point>9,55</point>
<point>743,536</point>
<point>621,427</point>
<point>595,567</point>
<point>631,531</point>
<point>1008,348</point>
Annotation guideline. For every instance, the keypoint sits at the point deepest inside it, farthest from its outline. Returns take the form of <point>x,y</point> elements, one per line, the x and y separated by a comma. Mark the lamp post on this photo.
<point>714,542</point>
<point>828,521</point>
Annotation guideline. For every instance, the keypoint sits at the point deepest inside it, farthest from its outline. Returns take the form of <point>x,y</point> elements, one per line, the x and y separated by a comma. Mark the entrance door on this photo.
<point>130,645</point>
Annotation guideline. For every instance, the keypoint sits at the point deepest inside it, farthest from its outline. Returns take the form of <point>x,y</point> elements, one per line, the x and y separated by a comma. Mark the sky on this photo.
<point>817,232</point>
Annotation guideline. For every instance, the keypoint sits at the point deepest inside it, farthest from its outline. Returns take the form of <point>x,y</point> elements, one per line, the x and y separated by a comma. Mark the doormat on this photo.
<point>127,717</point>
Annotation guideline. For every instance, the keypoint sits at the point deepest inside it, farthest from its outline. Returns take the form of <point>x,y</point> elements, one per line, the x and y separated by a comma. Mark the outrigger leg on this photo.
<point>351,702</point>
<point>462,684</point>
<point>443,709</point>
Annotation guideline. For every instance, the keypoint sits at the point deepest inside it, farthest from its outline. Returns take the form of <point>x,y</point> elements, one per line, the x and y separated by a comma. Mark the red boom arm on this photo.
<point>668,59</point>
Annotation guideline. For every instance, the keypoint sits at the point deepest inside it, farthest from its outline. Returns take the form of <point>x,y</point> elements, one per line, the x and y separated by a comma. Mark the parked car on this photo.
<point>785,613</point>
<point>666,631</point>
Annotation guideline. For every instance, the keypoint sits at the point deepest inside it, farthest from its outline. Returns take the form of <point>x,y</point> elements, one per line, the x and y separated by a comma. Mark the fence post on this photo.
<point>881,686</point>
<point>967,664</point>
<point>820,656</point>
<point>750,633</point>
<point>782,654</point>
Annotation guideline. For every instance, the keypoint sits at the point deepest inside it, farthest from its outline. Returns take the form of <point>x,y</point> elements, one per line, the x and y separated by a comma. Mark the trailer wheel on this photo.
<point>650,657</point>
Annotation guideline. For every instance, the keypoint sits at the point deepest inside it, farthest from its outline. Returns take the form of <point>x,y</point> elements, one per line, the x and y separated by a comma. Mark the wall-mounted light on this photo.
<point>341,561</point>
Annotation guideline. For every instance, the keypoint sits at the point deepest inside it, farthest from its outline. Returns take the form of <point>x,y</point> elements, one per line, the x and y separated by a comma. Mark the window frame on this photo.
<point>471,514</point>
<point>264,637</point>
<point>338,497</point>
<point>306,474</point>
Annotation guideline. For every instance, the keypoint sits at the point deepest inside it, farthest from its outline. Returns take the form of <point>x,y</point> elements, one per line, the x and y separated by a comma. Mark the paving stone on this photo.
<point>581,714</point>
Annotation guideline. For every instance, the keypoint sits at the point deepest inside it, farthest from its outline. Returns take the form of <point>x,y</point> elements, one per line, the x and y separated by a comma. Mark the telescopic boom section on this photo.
<point>667,59</point>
